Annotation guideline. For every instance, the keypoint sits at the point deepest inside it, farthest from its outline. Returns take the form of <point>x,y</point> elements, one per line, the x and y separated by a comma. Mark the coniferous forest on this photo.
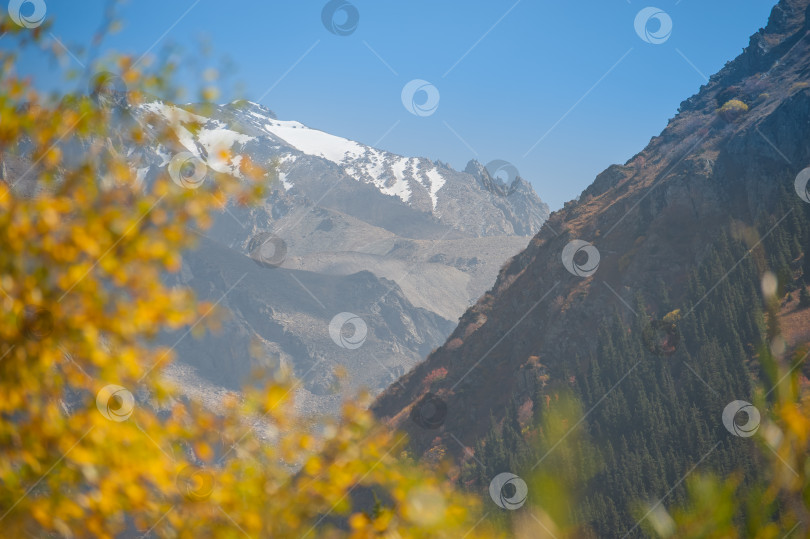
<point>658,382</point>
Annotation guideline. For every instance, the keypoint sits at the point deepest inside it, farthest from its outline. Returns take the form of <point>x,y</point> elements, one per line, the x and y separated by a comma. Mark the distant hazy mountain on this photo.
<point>359,260</point>
<point>403,244</point>
<point>411,196</point>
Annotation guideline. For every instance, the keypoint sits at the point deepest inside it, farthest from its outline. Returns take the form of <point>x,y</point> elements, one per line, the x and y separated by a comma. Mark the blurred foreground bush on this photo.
<point>92,442</point>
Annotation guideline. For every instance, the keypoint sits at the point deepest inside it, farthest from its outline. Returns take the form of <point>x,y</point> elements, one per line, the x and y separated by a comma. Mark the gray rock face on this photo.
<point>372,256</point>
<point>402,244</point>
<point>282,319</point>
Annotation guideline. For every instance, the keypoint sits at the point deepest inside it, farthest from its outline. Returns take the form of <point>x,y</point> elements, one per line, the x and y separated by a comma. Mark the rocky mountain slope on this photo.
<point>624,255</point>
<point>410,196</point>
<point>403,244</point>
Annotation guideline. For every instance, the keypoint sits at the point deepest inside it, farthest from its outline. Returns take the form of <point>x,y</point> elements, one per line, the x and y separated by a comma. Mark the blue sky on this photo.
<point>559,89</point>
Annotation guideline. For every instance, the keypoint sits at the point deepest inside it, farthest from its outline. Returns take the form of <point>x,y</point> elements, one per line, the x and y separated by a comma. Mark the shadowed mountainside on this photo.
<point>681,230</point>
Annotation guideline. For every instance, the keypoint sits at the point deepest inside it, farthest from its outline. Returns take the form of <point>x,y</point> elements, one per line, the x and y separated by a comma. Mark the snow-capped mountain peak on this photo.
<point>309,161</point>
<point>392,174</point>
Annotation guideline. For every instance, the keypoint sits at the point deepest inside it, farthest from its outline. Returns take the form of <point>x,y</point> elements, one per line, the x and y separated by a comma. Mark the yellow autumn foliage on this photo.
<point>93,442</point>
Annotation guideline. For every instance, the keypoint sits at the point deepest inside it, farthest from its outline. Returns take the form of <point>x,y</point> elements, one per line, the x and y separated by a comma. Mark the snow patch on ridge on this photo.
<point>436,182</point>
<point>386,171</point>
<point>284,164</point>
<point>213,137</point>
<point>398,168</point>
<point>314,142</point>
